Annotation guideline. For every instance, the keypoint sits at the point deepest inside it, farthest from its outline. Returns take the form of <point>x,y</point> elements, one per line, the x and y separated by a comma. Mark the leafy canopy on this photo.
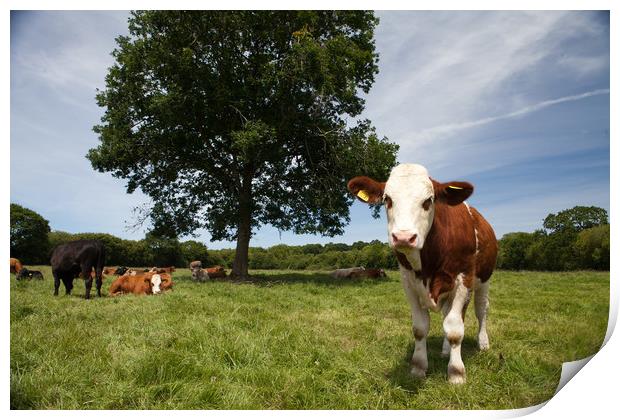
<point>29,230</point>
<point>224,115</point>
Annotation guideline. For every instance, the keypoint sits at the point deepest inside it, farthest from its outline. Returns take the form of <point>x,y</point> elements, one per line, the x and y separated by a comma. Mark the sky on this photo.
<point>515,102</point>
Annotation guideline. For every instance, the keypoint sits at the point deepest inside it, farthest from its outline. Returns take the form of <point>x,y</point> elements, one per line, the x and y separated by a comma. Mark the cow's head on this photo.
<point>23,273</point>
<point>409,196</point>
<point>120,270</point>
<point>155,284</point>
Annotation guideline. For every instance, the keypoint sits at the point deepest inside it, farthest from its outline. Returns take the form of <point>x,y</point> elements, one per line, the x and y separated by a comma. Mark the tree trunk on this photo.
<point>244,229</point>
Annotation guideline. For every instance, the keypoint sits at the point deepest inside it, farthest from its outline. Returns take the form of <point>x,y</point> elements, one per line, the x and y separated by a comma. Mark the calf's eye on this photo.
<point>427,204</point>
<point>388,202</point>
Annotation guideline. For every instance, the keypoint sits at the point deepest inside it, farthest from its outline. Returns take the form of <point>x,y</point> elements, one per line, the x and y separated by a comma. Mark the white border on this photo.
<point>591,393</point>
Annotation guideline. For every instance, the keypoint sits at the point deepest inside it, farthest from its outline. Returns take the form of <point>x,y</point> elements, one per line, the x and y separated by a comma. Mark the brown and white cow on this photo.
<point>141,284</point>
<point>445,250</point>
<point>216,271</point>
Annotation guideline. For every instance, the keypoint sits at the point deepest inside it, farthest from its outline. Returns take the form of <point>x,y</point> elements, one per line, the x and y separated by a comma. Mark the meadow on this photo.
<point>292,340</point>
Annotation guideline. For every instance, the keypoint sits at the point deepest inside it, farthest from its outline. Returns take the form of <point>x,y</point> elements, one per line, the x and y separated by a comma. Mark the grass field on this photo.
<point>294,340</point>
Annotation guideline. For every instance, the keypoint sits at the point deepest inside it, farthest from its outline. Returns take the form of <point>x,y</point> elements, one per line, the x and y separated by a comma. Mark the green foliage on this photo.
<point>229,120</point>
<point>592,248</point>
<point>513,250</point>
<point>195,251</point>
<point>575,219</point>
<point>576,238</point>
<point>29,242</point>
<point>166,251</point>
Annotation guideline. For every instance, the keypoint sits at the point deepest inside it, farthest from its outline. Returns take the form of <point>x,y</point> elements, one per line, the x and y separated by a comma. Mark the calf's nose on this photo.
<point>404,238</point>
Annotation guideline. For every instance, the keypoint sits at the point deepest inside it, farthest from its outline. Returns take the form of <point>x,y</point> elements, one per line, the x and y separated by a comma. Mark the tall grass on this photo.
<point>294,340</point>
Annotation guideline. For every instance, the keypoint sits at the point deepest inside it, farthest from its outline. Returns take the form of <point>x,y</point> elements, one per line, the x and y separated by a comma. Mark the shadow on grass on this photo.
<point>400,374</point>
<point>318,278</point>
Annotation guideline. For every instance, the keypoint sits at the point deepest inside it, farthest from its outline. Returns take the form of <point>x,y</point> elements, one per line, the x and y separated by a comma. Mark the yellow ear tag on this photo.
<point>454,188</point>
<point>363,195</point>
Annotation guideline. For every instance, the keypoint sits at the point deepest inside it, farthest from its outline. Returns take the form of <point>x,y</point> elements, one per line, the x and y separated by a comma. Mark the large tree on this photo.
<point>229,120</point>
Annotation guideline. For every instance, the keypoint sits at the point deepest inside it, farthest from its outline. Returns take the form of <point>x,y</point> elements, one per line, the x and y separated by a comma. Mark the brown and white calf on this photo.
<point>445,250</point>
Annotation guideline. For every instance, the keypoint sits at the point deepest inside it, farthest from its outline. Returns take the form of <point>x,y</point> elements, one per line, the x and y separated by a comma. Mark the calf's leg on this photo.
<point>421,323</point>
<point>481,301</point>
<point>454,327</point>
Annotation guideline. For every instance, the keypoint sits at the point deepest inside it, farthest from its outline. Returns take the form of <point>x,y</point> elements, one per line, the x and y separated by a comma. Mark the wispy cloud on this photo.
<point>433,133</point>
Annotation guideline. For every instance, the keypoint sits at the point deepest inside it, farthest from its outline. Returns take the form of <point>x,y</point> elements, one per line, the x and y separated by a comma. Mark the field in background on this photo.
<point>294,340</point>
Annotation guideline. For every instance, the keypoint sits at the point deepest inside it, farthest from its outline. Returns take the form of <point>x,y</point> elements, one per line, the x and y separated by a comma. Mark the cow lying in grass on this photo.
<point>344,273</point>
<point>200,274</point>
<point>445,250</point>
<point>216,271</point>
<point>371,273</point>
<point>141,284</point>
<point>16,265</point>
<point>24,273</point>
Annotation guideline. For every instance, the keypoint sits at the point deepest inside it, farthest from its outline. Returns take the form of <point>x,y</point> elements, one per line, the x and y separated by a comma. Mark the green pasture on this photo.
<point>293,340</point>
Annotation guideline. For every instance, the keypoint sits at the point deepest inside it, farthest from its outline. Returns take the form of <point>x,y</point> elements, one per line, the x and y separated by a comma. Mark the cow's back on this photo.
<point>486,257</point>
<point>66,256</point>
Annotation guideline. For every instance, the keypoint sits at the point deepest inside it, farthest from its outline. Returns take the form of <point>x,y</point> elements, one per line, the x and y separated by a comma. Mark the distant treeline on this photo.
<point>572,239</point>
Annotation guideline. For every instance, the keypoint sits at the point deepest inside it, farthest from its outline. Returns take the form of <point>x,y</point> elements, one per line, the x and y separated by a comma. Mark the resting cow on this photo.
<point>16,265</point>
<point>372,273</point>
<point>216,271</point>
<point>71,259</point>
<point>141,284</point>
<point>343,273</point>
<point>195,264</point>
<point>31,274</point>
<point>200,274</point>
<point>445,249</point>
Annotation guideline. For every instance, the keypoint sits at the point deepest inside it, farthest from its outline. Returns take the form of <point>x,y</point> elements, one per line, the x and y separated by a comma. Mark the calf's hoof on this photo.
<point>416,372</point>
<point>456,375</point>
<point>483,342</point>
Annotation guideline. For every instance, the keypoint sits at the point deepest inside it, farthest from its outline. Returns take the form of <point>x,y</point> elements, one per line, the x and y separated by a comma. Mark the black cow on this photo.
<point>31,274</point>
<point>78,257</point>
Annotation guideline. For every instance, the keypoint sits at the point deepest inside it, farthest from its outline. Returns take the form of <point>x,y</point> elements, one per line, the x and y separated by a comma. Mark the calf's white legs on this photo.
<point>481,301</point>
<point>421,323</point>
<point>454,328</point>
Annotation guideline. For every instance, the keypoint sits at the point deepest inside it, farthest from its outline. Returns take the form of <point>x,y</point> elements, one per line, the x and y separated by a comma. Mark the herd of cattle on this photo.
<point>84,259</point>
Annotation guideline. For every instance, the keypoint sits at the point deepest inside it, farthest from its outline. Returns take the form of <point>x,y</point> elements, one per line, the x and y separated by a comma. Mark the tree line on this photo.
<point>577,238</point>
<point>572,239</point>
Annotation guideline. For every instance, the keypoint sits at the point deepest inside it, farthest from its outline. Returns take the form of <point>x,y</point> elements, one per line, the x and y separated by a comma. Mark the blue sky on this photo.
<point>515,102</point>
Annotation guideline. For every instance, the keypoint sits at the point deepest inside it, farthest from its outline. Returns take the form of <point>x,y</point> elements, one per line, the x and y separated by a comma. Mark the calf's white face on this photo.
<point>155,283</point>
<point>409,196</point>
<point>409,202</point>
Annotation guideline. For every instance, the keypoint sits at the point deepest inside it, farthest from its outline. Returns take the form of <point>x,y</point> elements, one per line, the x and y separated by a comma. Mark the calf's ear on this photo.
<point>453,193</point>
<point>367,190</point>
